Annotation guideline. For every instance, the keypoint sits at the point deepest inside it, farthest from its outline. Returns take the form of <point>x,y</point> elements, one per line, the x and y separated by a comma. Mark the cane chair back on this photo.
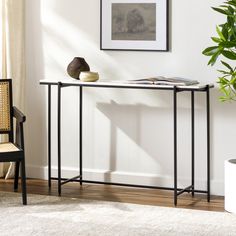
<point>6,120</point>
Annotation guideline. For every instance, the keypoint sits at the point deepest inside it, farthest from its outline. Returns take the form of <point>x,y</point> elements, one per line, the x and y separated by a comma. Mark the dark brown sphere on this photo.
<point>76,66</point>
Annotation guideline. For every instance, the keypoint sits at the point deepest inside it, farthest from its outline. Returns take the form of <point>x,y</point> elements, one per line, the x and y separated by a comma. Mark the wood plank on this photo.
<point>152,197</point>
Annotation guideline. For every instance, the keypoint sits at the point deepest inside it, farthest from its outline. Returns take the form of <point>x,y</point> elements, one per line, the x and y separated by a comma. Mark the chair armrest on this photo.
<point>20,117</point>
<point>19,135</point>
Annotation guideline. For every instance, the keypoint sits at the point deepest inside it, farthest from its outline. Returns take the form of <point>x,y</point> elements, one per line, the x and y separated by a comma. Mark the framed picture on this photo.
<point>134,25</point>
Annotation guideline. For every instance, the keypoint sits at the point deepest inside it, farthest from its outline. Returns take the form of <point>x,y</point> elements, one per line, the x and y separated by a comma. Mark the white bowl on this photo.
<point>88,76</point>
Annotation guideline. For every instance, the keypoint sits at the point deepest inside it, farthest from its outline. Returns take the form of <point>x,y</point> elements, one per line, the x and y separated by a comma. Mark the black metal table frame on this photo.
<point>176,90</point>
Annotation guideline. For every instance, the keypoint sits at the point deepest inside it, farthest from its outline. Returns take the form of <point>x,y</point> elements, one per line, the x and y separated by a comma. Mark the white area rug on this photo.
<point>47,215</point>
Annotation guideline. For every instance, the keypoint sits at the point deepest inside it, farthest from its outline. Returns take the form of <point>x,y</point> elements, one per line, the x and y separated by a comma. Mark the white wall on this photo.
<point>127,134</point>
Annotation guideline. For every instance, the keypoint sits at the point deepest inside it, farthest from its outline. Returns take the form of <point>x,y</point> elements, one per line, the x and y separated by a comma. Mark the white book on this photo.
<point>161,80</point>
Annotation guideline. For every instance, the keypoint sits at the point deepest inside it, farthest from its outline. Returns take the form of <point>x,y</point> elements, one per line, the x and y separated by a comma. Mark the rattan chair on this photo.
<point>13,150</point>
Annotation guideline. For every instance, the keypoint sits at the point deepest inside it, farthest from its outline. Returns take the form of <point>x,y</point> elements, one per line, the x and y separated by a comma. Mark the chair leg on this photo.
<point>17,167</point>
<point>23,182</point>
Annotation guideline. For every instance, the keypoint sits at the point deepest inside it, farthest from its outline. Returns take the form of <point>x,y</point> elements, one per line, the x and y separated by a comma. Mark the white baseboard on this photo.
<point>41,172</point>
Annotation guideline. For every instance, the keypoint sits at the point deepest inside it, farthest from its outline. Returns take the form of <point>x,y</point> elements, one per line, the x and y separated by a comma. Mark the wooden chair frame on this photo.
<point>15,156</point>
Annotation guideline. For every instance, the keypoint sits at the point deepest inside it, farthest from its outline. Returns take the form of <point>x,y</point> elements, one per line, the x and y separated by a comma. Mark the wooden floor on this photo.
<point>120,194</point>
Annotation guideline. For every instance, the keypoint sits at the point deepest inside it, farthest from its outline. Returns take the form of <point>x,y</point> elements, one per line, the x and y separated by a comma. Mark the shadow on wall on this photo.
<point>151,129</point>
<point>130,120</point>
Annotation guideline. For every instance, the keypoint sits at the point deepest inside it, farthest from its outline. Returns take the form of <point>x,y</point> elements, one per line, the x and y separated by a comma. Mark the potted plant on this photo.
<point>225,47</point>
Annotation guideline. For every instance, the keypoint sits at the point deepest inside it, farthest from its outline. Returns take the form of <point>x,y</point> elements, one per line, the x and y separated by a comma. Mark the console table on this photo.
<point>204,88</point>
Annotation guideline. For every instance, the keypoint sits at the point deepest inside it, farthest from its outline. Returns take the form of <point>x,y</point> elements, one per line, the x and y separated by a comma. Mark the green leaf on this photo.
<point>222,99</point>
<point>229,54</point>
<point>228,44</point>
<point>230,21</point>
<point>226,73</point>
<point>231,10</point>
<point>232,3</point>
<point>232,36</point>
<point>225,30</point>
<point>214,57</point>
<point>221,11</point>
<point>223,81</point>
<point>233,80</point>
<point>216,40</point>
<point>210,51</point>
<point>220,33</point>
<point>227,65</point>
<point>224,6</point>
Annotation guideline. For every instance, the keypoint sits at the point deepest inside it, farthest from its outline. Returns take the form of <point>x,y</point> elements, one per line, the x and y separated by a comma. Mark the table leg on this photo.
<point>175,145</point>
<point>59,137</point>
<point>81,135</point>
<point>208,142</point>
<point>49,136</point>
<point>193,140</point>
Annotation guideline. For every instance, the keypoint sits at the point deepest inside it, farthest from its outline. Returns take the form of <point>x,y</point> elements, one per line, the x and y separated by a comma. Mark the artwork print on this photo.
<point>134,21</point>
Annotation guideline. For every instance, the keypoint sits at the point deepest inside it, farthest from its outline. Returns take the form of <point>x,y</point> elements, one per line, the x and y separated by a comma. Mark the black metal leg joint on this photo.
<point>188,189</point>
<point>70,180</point>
